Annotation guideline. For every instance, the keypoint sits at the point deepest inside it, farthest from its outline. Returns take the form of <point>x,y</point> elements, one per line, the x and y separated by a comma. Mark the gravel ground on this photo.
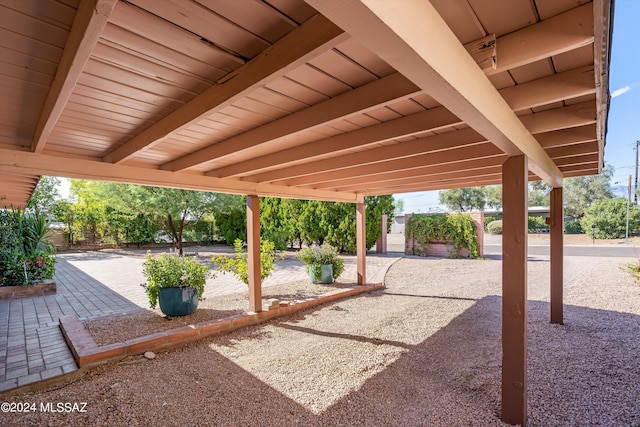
<point>423,351</point>
<point>118,328</point>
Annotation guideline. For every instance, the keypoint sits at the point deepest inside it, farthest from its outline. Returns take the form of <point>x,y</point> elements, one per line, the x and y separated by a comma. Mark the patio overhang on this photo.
<point>332,100</point>
<point>328,99</point>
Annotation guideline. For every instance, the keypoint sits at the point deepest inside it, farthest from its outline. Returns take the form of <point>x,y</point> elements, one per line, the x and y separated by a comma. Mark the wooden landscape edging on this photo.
<point>87,353</point>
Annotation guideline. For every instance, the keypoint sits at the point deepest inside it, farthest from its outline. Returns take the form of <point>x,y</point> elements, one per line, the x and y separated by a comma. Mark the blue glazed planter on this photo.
<point>325,277</point>
<point>178,301</point>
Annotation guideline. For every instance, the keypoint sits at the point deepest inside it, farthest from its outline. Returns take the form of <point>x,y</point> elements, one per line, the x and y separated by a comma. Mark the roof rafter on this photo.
<point>315,35</point>
<point>577,118</point>
<point>444,69</point>
<point>88,24</point>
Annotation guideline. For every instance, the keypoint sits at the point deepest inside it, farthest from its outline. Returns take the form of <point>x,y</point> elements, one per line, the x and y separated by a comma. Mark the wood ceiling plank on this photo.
<point>337,108</point>
<point>444,69</point>
<point>153,50</point>
<point>145,25</point>
<point>292,50</point>
<point>88,24</point>
<point>199,20</point>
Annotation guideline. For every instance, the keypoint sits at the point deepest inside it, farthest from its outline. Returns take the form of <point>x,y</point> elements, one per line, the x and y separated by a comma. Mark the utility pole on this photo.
<point>635,187</point>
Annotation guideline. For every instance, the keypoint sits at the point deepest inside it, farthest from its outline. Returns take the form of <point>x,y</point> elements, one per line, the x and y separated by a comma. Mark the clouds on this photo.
<point>620,91</point>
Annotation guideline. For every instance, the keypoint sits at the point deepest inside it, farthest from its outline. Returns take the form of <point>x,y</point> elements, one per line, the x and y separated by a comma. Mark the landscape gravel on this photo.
<point>423,351</point>
<point>118,328</point>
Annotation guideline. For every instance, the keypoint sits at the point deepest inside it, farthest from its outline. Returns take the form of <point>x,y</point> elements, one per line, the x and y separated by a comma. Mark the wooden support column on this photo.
<point>381,243</point>
<point>514,290</point>
<point>253,252</point>
<point>557,255</point>
<point>361,242</point>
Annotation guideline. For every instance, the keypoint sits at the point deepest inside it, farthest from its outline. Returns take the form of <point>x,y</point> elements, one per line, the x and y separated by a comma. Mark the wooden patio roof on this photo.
<point>324,99</point>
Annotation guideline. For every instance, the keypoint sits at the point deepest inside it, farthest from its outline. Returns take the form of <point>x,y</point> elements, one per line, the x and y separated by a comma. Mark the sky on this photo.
<point>624,111</point>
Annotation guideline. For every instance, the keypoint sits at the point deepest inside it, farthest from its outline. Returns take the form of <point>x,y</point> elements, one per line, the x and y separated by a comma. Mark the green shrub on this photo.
<point>26,255</point>
<point>573,227</point>
<point>495,227</point>
<point>239,265</point>
<point>607,219</point>
<point>232,225</point>
<point>488,220</point>
<point>456,229</point>
<point>537,224</point>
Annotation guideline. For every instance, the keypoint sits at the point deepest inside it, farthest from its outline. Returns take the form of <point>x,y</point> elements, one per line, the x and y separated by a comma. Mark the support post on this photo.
<point>381,243</point>
<point>253,253</point>
<point>557,255</point>
<point>361,242</point>
<point>514,290</point>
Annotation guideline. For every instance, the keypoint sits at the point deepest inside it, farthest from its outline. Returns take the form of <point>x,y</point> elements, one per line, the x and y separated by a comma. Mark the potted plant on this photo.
<point>323,263</point>
<point>177,282</point>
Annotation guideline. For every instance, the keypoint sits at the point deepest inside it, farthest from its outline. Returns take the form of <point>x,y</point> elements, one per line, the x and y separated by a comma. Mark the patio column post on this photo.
<point>557,255</point>
<point>514,290</point>
<point>361,242</point>
<point>253,253</point>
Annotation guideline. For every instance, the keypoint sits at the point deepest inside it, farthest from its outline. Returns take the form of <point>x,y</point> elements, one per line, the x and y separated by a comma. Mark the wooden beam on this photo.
<point>556,228</point>
<point>91,18</point>
<point>561,33</point>
<point>340,107</point>
<point>22,162</point>
<point>570,136</point>
<point>361,242</point>
<point>253,253</point>
<point>444,69</point>
<point>580,114</point>
<point>514,290</point>
<point>547,90</point>
<point>315,35</point>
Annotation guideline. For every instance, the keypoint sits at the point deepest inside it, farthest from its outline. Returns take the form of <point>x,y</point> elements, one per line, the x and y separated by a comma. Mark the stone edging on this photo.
<point>47,287</point>
<point>87,353</point>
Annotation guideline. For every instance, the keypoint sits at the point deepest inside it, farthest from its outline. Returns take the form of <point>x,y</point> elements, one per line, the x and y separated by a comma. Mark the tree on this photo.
<point>539,193</point>
<point>168,208</point>
<point>45,195</point>
<point>607,219</point>
<point>464,199</point>
<point>581,192</point>
<point>494,196</point>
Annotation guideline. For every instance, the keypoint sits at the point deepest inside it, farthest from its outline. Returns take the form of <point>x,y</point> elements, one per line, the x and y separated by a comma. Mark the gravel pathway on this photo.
<point>423,351</point>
